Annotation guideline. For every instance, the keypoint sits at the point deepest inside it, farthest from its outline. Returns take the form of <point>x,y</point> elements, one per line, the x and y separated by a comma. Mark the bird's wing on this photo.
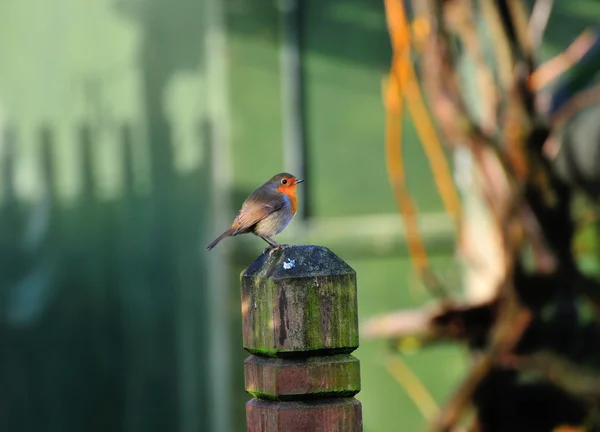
<point>253,212</point>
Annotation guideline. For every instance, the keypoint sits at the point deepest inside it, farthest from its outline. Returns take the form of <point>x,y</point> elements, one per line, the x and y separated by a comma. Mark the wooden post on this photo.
<point>300,324</point>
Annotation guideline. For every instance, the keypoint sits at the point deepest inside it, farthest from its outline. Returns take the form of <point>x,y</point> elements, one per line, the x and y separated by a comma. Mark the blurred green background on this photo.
<point>129,135</point>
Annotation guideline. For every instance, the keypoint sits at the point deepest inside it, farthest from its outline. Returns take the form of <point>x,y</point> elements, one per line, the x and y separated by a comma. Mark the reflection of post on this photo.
<point>300,323</point>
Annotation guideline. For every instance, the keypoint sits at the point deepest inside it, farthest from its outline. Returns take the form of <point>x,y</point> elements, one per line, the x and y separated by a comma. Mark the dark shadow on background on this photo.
<point>346,30</point>
<point>118,284</point>
<point>172,42</point>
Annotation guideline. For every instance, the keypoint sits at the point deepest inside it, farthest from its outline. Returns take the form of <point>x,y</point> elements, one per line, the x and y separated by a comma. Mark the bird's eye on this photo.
<point>284,181</point>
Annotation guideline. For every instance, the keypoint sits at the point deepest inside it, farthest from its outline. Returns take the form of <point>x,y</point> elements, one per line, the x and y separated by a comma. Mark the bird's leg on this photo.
<point>268,240</point>
<point>273,245</point>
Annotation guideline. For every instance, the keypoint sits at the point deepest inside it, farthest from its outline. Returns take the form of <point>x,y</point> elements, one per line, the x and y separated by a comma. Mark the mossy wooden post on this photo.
<point>300,324</point>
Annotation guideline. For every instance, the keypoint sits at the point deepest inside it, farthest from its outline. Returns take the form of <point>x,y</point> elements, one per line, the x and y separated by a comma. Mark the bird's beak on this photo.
<point>298,181</point>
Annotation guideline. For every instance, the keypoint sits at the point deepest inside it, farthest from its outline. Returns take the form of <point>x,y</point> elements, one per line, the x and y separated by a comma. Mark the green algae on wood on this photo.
<point>297,300</point>
<point>292,378</point>
<point>300,323</point>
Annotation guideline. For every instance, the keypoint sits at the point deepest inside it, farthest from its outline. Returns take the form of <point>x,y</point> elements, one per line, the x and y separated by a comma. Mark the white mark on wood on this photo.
<point>290,263</point>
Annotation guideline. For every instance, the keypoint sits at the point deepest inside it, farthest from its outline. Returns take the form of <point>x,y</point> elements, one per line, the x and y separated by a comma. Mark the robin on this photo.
<point>266,211</point>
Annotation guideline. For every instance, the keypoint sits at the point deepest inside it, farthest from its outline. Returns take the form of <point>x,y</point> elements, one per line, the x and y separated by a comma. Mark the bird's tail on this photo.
<point>218,239</point>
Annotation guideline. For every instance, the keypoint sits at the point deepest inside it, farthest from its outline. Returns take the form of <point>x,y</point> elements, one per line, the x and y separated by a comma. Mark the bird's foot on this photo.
<point>269,249</point>
<point>273,248</point>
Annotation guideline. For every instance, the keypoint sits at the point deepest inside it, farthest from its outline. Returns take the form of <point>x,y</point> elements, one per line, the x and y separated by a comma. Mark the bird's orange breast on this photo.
<point>290,192</point>
<point>294,203</point>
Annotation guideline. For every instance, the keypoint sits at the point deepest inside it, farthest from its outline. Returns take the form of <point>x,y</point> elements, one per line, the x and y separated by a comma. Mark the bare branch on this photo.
<point>538,21</point>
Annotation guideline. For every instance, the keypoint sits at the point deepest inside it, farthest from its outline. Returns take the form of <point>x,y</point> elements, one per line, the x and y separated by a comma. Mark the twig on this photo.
<point>505,59</point>
<point>571,377</point>
<point>461,19</point>
<point>413,386</point>
<point>577,103</point>
<point>418,323</point>
<point>507,333</point>
<point>461,398</point>
<point>520,24</point>
<point>432,146</point>
<point>431,324</point>
<point>398,78</point>
<point>558,64</point>
<point>538,22</point>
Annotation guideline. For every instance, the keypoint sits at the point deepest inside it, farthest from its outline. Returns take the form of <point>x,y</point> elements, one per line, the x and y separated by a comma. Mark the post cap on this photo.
<point>297,300</point>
